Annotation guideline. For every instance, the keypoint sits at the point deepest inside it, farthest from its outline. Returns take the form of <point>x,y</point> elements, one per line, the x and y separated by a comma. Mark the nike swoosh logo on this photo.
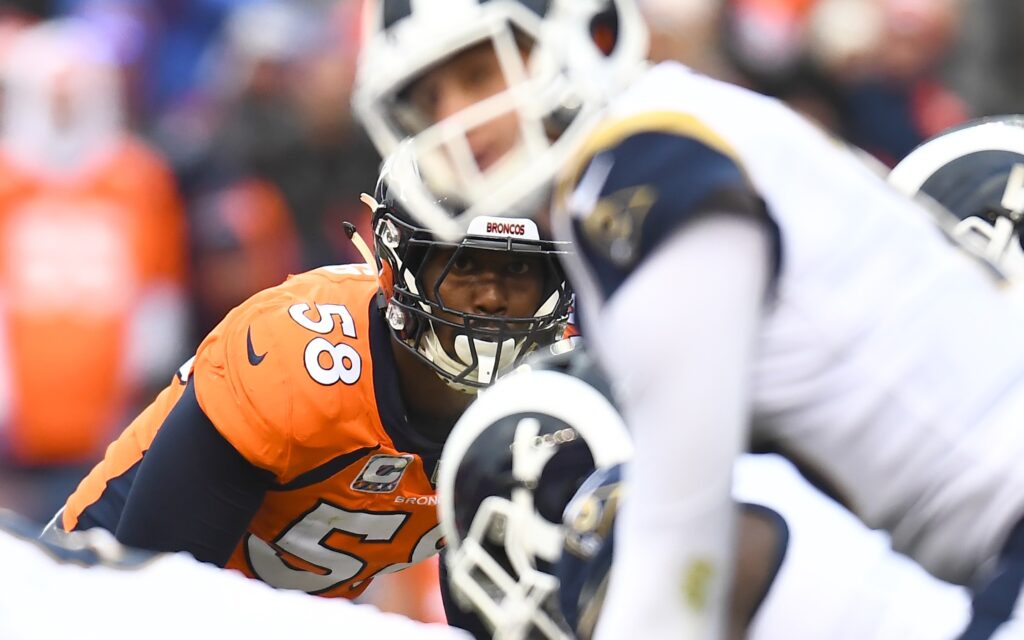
<point>253,358</point>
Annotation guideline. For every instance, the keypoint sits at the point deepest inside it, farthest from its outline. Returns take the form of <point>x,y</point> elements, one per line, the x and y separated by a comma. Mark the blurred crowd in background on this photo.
<point>161,160</point>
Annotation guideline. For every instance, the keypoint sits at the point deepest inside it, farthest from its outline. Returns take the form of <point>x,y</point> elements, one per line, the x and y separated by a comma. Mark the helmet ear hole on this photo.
<point>604,29</point>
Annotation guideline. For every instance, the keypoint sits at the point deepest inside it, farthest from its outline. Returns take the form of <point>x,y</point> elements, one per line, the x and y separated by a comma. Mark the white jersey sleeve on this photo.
<point>173,597</point>
<point>683,382</point>
<point>839,579</point>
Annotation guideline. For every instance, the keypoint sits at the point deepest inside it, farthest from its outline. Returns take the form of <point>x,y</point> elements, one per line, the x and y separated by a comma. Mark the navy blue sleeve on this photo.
<point>652,183</point>
<point>193,491</point>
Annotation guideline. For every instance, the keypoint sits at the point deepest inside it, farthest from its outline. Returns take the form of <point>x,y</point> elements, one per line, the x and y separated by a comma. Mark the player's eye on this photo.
<point>479,76</point>
<point>424,98</point>
<point>519,268</point>
<point>463,263</point>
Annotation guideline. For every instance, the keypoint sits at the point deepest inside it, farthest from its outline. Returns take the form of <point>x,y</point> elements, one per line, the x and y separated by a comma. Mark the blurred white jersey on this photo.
<point>171,596</point>
<point>885,361</point>
<point>840,580</point>
<point>888,361</point>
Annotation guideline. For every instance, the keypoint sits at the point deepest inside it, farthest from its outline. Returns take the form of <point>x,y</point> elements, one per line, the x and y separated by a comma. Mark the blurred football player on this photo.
<point>747,280</point>
<point>508,471</point>
<point>109,592</point>
<point>92,262</point>
<point>299,446</point>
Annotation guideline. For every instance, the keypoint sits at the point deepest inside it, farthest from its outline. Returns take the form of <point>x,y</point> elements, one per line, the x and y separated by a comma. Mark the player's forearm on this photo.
<point>193,491</point>
<point>684,383</point>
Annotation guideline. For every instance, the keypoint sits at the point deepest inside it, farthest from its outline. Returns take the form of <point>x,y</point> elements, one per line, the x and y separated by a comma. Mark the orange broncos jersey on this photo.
<point>297,379</point>
<point>77,254</point>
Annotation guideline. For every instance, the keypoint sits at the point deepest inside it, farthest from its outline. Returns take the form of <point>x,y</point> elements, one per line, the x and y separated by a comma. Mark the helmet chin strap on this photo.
<point>487,351</point>
<point>489,362</point>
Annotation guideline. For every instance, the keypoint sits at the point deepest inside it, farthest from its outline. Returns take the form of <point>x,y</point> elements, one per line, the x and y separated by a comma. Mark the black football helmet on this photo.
<point>509,468</point>
<point>976,172</point>
<point>486,346</point>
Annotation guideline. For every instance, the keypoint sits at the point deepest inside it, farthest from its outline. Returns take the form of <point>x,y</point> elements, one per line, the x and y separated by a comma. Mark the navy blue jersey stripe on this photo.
<point>325,471</point>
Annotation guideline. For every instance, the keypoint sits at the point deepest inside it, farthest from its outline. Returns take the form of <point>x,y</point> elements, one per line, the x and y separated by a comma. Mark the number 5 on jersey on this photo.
<point>307,539</point>
<point>328,363</point>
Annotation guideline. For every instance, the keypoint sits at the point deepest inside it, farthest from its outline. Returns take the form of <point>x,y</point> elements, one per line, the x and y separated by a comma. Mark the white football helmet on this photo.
<point>561,59</point>
<point>976,172</point>
<point>509,468</point>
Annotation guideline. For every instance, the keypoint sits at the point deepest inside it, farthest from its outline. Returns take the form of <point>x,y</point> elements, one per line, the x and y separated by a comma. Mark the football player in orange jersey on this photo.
<point>299,445</point>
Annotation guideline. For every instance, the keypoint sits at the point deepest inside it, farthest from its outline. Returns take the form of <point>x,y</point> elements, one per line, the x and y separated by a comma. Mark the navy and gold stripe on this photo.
<point>612,133</point>
<point>654,172</point>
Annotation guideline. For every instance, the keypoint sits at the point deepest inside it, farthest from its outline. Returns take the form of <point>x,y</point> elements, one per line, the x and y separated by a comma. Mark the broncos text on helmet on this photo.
<point>485,345</point>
